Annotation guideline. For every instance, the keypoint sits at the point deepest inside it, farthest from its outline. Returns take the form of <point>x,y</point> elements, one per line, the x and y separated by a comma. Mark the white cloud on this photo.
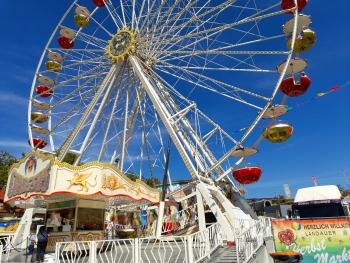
<point>12,99</point>
<point>14,144</point>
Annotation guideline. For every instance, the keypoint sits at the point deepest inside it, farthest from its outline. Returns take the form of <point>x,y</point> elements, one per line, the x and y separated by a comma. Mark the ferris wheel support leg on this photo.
<point>225,225</point>
<point>157,104</point>
<point>200,211</point>
<point>201,221</point>
<point>160,218</point>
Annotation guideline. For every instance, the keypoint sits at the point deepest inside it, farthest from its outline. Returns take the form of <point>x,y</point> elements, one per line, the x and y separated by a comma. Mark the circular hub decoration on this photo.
<point>121,44</point>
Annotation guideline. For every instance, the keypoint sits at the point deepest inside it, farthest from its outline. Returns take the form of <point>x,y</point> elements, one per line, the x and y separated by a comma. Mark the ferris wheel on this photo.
<point>117,78</point>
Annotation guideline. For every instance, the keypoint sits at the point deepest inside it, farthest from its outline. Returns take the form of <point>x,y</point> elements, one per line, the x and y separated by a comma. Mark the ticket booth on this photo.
<point>75,220</point>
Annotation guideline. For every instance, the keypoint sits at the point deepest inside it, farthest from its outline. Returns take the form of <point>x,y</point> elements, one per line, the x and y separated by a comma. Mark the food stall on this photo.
<point>75,197</point>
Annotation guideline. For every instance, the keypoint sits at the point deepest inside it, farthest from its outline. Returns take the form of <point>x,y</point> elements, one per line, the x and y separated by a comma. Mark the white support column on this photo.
<point>160,219</point>
<point>201,221</point>
<point>225,225</point>
<point>200,209</point>
<point>164,116</point>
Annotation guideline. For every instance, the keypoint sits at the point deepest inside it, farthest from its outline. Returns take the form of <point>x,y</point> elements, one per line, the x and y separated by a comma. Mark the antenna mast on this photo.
<point>346,179</point>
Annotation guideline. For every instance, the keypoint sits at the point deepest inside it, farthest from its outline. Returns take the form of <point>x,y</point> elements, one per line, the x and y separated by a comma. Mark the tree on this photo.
<point>70,158</point>
<point>6,161</point>
<point>149,181</point>
<point>342,190</point>
<point>152,181</point>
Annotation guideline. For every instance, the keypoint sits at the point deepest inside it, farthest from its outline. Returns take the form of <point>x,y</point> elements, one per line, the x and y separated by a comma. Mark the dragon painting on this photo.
<point>80,179</point>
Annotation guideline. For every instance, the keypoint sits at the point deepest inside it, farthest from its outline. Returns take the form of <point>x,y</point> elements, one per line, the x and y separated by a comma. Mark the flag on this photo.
<point>287,191</point>
<point>335,88</point>
<point>314,179</point>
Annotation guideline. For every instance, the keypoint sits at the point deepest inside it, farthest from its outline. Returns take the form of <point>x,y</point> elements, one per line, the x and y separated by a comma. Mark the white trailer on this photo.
<point>319,201</point>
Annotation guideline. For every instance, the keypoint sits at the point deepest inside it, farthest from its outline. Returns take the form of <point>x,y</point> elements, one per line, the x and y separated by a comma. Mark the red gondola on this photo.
<point>44,91</point>
<point>288,4</point>
<point>64,42</point>
<point>247,175</point>
<point>295,89</point>
<point>38,143</point>
<point>100,3</point>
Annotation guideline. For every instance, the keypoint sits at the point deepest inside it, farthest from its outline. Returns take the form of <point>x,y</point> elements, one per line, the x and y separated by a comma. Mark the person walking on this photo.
<point>42,236</point>
<point>31,251</point>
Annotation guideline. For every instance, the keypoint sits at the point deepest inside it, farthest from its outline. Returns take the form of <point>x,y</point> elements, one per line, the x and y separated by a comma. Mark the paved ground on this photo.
<point>21,257</point>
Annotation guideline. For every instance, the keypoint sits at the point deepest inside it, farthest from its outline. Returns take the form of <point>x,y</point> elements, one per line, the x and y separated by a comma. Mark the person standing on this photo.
<point>31,251</point>
<point>42,236</point>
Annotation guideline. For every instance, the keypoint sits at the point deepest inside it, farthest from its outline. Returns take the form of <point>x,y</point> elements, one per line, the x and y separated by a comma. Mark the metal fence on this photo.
<point>190,249</point>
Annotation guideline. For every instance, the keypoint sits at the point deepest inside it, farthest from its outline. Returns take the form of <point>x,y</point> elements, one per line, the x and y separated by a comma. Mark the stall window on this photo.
<point>90,219</point>
<point>60,220</point>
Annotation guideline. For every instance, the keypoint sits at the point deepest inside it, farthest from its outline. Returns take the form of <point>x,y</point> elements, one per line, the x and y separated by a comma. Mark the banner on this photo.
<point>318,240</point>
<point>287,191</point>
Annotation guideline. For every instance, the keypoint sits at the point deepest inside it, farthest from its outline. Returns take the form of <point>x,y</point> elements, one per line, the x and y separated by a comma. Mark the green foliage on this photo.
<point>149,181</point>
<point>6,161</point>
<point>132,176</point>
<point>70,158</point>
<point>342,190</point>
<point>152,182</point>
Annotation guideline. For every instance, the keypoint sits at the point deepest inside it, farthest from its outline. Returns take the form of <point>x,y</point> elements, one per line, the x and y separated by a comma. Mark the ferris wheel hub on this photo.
<point>121,44</point>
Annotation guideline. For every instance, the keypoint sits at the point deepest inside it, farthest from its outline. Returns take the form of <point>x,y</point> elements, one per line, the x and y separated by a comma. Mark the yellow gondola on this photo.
<point>38,117</point>
<point>303,42</point>
<point>277,133</point>
<point>81,21</point>
<point>53,66</point>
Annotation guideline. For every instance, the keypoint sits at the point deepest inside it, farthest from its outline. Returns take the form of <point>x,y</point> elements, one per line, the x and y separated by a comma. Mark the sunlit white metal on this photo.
<point>191,248</point>
<point>97,114</point>
<point>182,47</point>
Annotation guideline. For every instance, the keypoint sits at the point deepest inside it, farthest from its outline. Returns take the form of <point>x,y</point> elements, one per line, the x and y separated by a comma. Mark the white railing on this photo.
<point>7,245</point>
<point>180,220</point>
<point>266,223</point>
<point>249,241</point>
<point>240,225</point>
<point>188,249</point>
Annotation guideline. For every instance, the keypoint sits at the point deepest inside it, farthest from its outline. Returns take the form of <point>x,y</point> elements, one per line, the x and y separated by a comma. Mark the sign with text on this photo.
<point>318,240</point>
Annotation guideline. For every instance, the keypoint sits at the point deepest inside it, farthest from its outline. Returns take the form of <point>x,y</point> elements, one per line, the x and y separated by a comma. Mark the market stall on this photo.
<point>75,197</point>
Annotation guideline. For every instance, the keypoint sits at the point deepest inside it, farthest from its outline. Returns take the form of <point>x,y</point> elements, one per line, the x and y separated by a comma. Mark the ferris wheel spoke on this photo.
<point>110,118</point>
<point>196,27</point>
<point>216,30</point>
<point>114,15</point>
<point>174,18</point>
<point>77,77</point>
<point>149,12</point>
<point>167,14</point>
<point>88,39</point>
<point>220,83</point>
<point>195,17</point>
<point>81,62</point>
<point>98,112</point>
<point>100,87</point>
<point>224,69</point>
<point>140,15</point>
<point>155,14</point>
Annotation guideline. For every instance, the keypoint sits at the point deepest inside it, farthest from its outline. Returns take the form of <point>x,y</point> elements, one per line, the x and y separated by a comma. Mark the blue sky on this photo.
<point>319,146</point>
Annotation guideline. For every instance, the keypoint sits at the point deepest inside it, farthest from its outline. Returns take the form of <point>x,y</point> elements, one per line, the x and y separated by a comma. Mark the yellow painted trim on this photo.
<point>103,165</point>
